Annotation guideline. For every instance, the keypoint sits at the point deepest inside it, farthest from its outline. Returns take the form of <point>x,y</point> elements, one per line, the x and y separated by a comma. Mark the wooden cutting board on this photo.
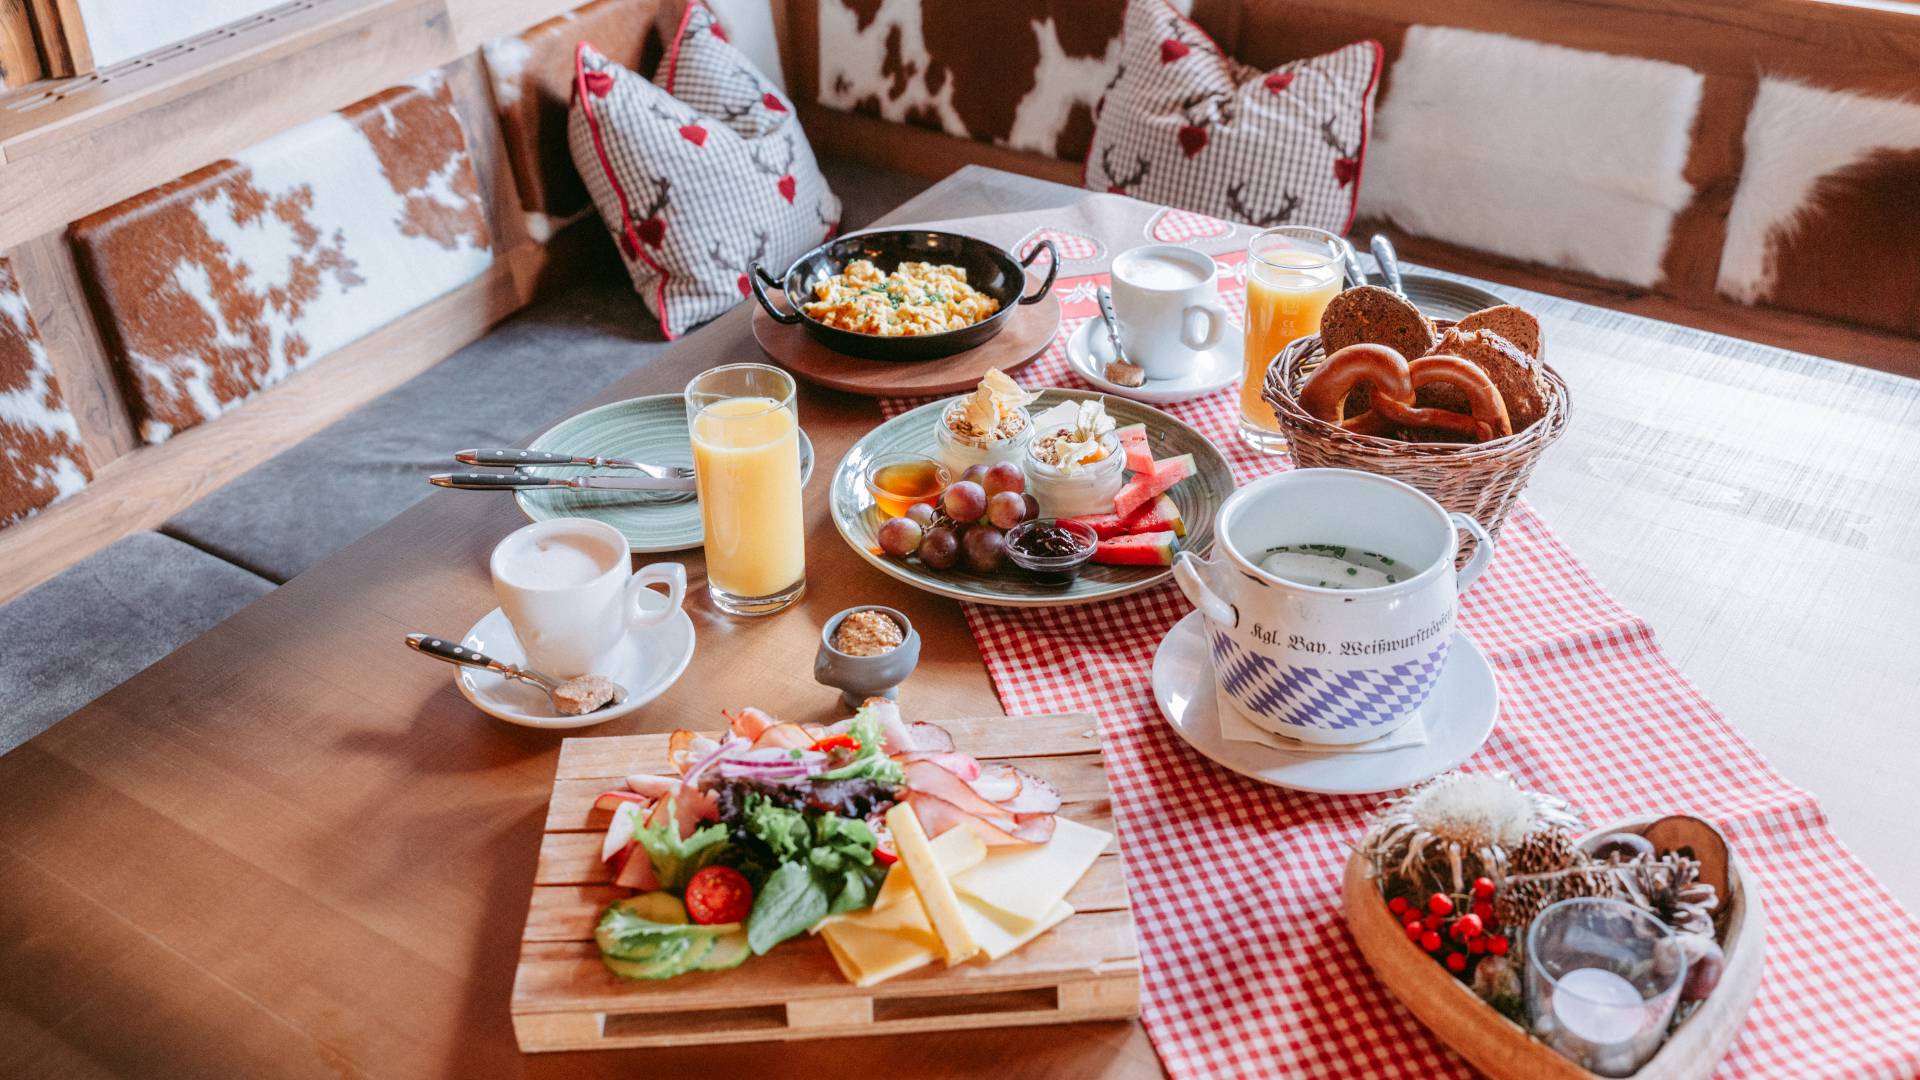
<point>1087,968</point>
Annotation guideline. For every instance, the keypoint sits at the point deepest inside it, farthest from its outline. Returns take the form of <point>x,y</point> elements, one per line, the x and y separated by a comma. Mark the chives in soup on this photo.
<point>1333,566</point>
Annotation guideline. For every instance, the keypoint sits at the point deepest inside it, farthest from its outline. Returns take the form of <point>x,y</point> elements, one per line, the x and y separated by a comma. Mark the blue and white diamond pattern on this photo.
<point>1327,700</point>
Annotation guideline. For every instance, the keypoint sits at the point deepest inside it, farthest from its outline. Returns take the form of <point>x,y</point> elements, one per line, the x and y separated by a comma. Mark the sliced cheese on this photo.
<point>931,885</point>
<point>868,955</point>
<point>1024,884</point>
<point>996,938</point>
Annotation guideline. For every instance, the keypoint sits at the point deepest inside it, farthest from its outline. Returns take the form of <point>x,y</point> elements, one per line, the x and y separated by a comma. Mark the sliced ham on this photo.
<point>964,766</point>
<point>996,783</point>
<point>895,736</point>
<point>749,722</point>
<point>651,787</point>
<point>691,806</point>
<point>931,737</point>
<point>1031,794</point>
<point>637,872</point>
<point>937,815</point>
<point>611,800</point>
<point>687,748</point>
<point>932,779</point>
<point>783,736</point>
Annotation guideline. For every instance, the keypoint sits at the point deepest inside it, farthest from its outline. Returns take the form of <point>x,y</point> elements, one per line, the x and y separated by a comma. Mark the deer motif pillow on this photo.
<point>1185,124</point>
<point>698,177</point>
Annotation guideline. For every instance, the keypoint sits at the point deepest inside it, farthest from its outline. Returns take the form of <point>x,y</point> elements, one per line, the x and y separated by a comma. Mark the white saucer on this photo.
<point>1459,717</point>
<point>646,662</point>
<point>1088,352</point>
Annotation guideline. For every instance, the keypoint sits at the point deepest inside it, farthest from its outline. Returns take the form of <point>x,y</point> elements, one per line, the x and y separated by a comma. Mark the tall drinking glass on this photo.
<point>1292,273</point>
<point>745,428</point>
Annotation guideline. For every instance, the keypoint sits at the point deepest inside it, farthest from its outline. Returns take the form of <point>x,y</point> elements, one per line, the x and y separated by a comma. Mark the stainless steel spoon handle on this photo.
<point>1389,261</point>
<point>1356,273</point>
<point>455,653</point>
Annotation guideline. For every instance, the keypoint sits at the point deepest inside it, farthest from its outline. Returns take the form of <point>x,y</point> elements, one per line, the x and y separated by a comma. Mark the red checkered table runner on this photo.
<point>1249,969</point>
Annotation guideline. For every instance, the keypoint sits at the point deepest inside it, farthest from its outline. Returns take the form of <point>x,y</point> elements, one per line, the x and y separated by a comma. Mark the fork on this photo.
<point>542,458</point>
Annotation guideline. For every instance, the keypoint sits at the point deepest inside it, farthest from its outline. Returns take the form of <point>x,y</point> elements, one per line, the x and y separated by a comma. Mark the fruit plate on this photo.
<point>1502,1049</point>
<point>1198,498</point>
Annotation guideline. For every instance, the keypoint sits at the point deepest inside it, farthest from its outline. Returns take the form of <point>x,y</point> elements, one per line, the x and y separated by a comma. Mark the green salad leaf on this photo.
<point>790,902</point>
<point>675,859</point>
<point>871,761</point>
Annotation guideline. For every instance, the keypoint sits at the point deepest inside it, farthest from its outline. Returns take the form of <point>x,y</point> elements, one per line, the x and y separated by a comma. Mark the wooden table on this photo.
<point>291,848</point>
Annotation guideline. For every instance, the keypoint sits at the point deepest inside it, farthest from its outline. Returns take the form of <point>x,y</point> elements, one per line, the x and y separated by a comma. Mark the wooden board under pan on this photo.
<point>1087,968</point>
<point>1030,328</point>
<point>1502,1049</point>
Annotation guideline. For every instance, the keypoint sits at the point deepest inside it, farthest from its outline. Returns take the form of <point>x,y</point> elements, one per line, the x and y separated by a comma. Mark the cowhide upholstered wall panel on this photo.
<point>1560,156</point>
<point>1020,73</point>
<point>1826,219</point>
<point>227,280</point>
<point>40,457</point>
<point>532,76</point>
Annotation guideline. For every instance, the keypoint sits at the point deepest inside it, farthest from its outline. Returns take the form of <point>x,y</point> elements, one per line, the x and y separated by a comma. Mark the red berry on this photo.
<point>1398,905</point>
<point>1456,962</point>
<point>1430,941</point>
<point>1411,917</point>
<point>1483,888</point>
<point>1485,911</point>
<point>1477,946</point>
<point>1497,945</point>
<point>1434,922</point>
<point>1439,904</point>
<point>1415,931</point>
<point>1468,926</point>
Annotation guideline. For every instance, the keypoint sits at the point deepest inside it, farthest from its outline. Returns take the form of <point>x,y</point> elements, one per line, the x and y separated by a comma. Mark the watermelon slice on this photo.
<point>1145,487</point>
<point>1133,439</point>
<point>1159,515</point>
<point>1141,549</point>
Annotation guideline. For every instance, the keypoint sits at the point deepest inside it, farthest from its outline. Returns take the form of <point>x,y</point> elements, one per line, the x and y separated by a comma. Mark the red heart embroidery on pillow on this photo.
<point>788,186</point>
<point>1172,49</point>
<point>599,83</point>
<point>719,33</point>
<point>1346,170</point>
<point>652,231</point>
<point>1279,81</point>
<point>745,286</point>
<point>694,134</point>
<point>1193,139</point>
<point>772,101</point>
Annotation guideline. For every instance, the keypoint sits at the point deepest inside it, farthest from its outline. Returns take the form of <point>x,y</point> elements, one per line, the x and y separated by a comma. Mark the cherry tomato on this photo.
<point>718,894</point>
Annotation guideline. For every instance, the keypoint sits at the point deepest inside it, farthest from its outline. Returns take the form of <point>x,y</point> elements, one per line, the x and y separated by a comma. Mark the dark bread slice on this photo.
<point>1515,374</point>
<point>1516,324</point>
<point>1368,313</point>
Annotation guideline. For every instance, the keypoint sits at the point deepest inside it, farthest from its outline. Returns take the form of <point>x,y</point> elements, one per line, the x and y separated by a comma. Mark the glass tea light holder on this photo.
<point>1602,981</point>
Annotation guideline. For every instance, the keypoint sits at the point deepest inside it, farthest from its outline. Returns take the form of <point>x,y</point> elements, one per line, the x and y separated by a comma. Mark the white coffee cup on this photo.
<point>570,591</point>
<point>1331,665</point>
<point>1166,299</point>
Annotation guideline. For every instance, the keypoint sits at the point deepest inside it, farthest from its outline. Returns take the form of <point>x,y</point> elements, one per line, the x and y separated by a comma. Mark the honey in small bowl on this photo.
<point>900,481</point>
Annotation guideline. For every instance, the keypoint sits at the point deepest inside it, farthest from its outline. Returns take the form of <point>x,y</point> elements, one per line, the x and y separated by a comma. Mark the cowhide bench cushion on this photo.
<point>103,620</point>
<point>40,456</point>
<point>227,280</point>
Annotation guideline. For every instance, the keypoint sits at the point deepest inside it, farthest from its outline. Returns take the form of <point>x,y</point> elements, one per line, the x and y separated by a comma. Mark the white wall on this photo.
<point>119,29</point>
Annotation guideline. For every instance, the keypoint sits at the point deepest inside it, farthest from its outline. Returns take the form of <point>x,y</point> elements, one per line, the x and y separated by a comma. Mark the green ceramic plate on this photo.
<point>1198,497</point>
<point>649,429</point>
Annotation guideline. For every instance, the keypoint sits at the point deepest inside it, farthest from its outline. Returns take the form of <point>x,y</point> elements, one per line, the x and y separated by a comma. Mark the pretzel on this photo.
<point>1392,382</point>
<point>1487,417</point>
<point>1380,367</point>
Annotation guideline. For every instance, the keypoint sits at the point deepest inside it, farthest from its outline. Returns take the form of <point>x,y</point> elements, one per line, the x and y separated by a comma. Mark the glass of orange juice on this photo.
<point>1292,273</point>
<point>745,428</point>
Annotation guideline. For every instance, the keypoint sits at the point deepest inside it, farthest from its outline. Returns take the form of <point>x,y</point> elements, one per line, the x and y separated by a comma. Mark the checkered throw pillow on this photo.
<point>698,177</point>
<point>1185,124</point>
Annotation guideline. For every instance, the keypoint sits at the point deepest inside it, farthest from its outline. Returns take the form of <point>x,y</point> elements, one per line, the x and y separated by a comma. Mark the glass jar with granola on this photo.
<point>1075,464</point>
<point>986,427</point>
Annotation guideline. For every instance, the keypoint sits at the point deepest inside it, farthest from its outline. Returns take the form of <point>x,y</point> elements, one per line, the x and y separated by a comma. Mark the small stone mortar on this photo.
<point>861,677</point>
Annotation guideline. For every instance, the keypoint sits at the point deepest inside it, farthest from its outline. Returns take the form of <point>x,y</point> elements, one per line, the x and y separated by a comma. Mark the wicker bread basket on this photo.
<point>1482,480</point>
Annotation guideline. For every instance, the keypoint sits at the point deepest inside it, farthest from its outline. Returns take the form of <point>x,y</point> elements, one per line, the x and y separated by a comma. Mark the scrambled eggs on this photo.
<point>917,298</point>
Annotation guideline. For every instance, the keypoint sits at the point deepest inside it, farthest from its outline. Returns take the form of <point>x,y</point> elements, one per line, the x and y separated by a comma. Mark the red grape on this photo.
<point>921,513</point>
<point>900,537</point>
<point>985,548</point>
<point>939,548</point>
<point>965,501</point>
<point>975,474</point>
<point>1007,509</point>
<point>1005,476</point>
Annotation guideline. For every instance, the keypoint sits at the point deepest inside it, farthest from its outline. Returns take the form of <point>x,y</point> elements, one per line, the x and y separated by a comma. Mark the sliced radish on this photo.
<point>637,873</point>
<point>620,830</point>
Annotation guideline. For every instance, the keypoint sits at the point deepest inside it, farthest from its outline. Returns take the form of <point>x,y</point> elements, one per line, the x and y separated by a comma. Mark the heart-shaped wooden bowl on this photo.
<point>1502,1049</point>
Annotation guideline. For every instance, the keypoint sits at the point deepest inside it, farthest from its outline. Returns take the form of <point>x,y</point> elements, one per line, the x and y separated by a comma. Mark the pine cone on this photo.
<point>1543,851</point>
<point>1669,888</point>
<point>1518,903</point>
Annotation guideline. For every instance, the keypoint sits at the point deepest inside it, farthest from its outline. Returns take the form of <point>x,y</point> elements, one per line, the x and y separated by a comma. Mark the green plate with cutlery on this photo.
<point>647,429</point>
<point>1198,498</point>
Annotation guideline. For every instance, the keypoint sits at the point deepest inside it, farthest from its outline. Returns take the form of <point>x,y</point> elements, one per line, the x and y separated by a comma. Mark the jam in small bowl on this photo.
<point>897,481</point>
<point>1051,550</point>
